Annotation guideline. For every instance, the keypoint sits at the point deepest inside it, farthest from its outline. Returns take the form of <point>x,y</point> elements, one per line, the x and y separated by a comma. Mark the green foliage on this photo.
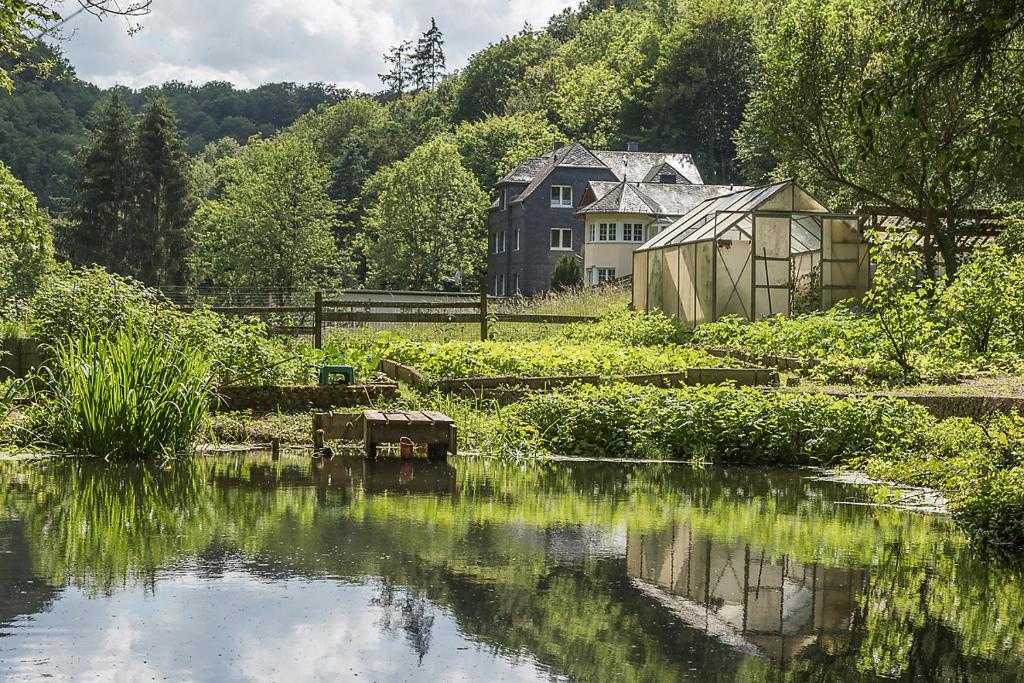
<point>126,394</point>
<point>901,301</point>
<point>26,238</point>
<point>104,200</point>
<point>273,225</point>
<point>79,303</point>
<point>567,274</point>
<point>495,145</point>
<point>985,296</point>
<point>425,221</point>
<point>702,84</point>
<point>544,357</point>
<point>630,328</point>
<point>846,105</point>
<point>495,73</point>
<point>157,242</point>
<point>734,425</point>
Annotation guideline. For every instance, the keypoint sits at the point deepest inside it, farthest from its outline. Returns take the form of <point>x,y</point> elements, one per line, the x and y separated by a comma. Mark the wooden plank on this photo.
<point>417,417</point>
<point>370,317</point>
<point>410,305</point>
<point>396,418</point>
<point>374,417</point>
<point>253,310</point>
<point>438,417</point>
<point>405,292</point>
<point>536,318</point>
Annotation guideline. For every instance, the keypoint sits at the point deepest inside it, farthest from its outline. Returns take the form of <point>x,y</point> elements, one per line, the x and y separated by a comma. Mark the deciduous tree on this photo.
<point>273,226</point>
<point>425,221</point>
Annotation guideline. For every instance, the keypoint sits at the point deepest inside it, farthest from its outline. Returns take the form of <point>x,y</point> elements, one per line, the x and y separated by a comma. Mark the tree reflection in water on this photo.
<point>645,572</point>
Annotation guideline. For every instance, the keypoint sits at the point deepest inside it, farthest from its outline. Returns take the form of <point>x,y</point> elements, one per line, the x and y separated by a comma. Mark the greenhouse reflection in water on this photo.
<point>247,567</point>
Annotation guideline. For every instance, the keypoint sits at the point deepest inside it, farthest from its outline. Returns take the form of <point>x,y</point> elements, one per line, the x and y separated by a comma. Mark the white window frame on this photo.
<point>602,275</point>
<point>607,232</point>
<point>561,239</point>
<point>500,246</point>
<point>501,284</point>
<point>515,239</point>
<point>515,284</point>
<point>632,232</point>
<point>561,202</point>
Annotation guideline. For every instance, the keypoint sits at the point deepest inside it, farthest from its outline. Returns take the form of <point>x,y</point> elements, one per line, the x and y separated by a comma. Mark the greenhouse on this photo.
<point>755,252</point>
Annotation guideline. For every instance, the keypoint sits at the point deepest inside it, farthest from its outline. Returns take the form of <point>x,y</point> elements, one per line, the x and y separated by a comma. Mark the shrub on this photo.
<point>737,425</point>
<point>568,274</point>
<point>125,394</point>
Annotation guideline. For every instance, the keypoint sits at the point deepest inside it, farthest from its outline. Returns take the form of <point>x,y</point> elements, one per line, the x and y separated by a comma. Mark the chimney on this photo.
<point>558,145</point>
<point>632,146</point>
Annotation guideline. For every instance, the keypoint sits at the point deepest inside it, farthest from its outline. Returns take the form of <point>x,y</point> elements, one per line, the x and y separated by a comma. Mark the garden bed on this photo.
<point>509,388</point>
<point>268,399</point>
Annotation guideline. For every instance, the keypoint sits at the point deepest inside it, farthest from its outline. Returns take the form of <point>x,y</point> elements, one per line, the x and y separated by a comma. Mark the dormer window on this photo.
<point>561,196</point>
<point>668,179</point>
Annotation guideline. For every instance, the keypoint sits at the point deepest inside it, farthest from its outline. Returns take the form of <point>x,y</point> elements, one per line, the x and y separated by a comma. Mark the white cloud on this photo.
<point>249,42</point>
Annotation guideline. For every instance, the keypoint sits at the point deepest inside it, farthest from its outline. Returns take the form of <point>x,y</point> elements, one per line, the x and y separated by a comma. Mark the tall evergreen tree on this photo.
<point>399,61</point>
<point>104,192</point>
<point>156,244</point>
<point>428,59</point>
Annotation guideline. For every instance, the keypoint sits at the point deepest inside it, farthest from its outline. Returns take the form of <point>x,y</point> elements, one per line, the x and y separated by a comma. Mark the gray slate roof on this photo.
<point>524,172</point>
<point>651,198</point>
<point>635,166</point>
<point>630,166</point>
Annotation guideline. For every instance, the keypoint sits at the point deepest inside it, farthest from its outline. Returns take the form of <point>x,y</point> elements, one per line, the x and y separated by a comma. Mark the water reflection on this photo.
<point>479,569</point>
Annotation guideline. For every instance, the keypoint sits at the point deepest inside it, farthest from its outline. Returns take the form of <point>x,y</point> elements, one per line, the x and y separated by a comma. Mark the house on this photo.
<point>620,216</point>
<point>755,252</point>
<point>533,222</point>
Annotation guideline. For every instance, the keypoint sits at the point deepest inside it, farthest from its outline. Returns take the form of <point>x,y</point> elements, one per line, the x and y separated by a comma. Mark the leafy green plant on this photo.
<point>125,394</point>
<point>632,328</point>
<point>982,299</point>
<point>901,301</point>
<point>544,358</point>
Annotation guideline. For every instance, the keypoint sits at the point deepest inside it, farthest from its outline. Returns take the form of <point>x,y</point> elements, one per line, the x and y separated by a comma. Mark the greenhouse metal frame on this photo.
<point>749,253</point>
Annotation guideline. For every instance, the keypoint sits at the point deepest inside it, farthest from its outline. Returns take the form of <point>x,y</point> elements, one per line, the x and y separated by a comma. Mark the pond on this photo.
<point>250,568</point>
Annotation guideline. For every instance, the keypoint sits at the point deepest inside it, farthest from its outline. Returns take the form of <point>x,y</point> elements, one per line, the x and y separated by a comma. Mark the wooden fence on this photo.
<point>370,306</point>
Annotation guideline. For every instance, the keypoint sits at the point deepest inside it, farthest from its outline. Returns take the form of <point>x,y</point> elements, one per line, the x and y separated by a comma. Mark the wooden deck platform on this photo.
<point>376,427</point>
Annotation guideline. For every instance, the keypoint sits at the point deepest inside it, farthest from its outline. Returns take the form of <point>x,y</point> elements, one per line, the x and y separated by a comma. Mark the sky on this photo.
<point>249,42</point>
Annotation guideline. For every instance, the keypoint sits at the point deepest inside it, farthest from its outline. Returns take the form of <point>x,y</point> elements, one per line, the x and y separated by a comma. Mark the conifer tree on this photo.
<point>428,59</point>
<point>104,192</point>
<point>399,61</point>
<point>156,243</point>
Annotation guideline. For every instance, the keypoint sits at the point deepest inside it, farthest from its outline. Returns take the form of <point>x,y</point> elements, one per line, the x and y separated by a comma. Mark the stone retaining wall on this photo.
<point>269,399</point>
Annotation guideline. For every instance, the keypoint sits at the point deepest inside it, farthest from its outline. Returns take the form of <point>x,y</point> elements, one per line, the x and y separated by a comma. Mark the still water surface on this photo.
<point>245,568</point>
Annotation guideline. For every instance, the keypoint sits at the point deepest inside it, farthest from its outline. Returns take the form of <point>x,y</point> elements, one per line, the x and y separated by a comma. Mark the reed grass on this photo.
<point>127,394</point>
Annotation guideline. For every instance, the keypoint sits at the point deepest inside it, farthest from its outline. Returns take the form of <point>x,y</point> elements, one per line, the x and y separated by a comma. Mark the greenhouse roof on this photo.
<point>718,217</point>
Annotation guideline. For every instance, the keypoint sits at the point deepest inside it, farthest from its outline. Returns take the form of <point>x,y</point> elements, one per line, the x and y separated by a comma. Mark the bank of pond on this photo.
<point>229,567</point>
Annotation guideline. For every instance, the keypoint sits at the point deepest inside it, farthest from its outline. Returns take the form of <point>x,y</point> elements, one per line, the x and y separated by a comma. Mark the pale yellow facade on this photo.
<point>603,256</point>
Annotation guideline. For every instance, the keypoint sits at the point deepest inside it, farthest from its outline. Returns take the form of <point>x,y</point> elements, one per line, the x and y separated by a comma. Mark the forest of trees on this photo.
<point>47,116</point>
<point>898,103</point>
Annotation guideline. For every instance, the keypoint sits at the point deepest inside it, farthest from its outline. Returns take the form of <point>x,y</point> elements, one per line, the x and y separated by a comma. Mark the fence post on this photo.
<point>318,319</point>
<point>483,309</point>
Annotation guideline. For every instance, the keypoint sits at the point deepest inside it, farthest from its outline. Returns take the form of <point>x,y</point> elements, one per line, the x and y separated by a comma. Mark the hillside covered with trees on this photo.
<point>880,102</point>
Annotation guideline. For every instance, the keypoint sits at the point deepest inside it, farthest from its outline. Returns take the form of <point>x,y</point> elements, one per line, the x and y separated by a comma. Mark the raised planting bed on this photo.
<point>783,363</point>
<point>509,388</point>
<point>546,358</point>
<point>268,399</point>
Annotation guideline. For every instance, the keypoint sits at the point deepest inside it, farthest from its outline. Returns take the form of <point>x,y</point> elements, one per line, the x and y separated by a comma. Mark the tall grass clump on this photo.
<point>126,394</point>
